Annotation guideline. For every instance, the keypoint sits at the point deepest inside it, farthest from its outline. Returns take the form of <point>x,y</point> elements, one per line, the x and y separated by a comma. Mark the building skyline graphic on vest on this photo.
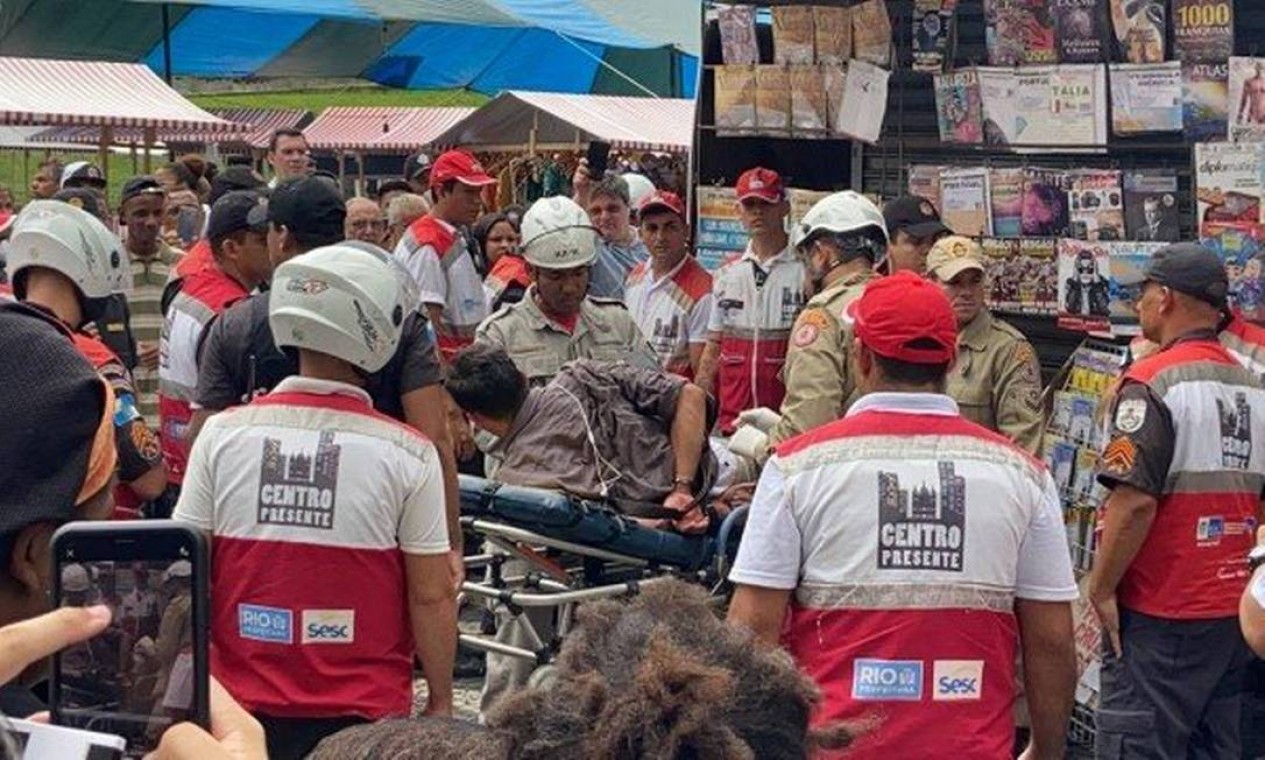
<point>1236,432</point>
<point>922,528</point>
<point>299,489</point>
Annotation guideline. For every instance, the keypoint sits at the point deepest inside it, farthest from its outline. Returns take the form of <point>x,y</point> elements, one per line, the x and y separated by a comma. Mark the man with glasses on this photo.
<point>1185,464</point>
<point>366,221</point>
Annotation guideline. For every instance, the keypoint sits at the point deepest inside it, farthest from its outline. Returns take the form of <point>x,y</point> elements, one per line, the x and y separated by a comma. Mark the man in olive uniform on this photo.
<point>557,322</point>
<point>841,239</point>
<point>997,378</point>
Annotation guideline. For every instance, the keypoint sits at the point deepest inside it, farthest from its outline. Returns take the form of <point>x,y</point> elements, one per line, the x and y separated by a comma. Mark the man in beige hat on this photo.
<point>997,378</point>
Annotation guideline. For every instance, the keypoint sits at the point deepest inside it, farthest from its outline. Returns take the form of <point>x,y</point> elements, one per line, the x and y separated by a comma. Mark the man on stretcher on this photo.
<point>634,438</point>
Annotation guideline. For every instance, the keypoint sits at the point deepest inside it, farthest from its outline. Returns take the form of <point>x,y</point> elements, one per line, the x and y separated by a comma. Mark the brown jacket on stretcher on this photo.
<point>603,429</point>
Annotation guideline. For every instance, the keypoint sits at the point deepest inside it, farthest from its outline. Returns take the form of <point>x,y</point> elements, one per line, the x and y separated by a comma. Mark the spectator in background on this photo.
<point>365,221</point>
<point>390,190</point>
<point>288,155</point>
<point>417,173</point>
<point>620,249</point>
<point>47,180</point>
<point>177,176</point>
<point>508,277</point>
<point>233,178</point>
<point>184,219</point>
<point>405,209</point>
<point>142,209</point>
<point>83,174</point>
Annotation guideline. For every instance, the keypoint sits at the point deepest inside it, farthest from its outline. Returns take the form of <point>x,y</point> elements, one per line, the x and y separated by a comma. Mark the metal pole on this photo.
<point>166,9</point>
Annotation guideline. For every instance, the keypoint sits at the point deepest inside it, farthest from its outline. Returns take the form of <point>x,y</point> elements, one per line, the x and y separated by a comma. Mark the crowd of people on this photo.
<point>303,376</point>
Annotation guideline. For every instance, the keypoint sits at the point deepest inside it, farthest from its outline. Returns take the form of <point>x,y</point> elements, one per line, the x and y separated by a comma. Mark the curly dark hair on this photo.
<point>660,677</point>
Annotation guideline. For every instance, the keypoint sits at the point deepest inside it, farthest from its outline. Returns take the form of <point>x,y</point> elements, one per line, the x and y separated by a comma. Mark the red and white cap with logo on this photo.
<point>761,183</point>
<point>461,166</point>
<point>907,318</point>
<point>662,199</point>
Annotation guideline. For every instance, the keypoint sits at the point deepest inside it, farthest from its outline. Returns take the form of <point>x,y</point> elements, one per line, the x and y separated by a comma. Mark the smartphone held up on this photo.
<point>150,668</point>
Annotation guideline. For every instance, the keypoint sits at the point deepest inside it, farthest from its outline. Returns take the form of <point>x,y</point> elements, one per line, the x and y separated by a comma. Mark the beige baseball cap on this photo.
<point>952,256</point>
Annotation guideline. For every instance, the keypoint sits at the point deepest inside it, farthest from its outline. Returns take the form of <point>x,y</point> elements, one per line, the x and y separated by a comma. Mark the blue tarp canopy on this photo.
<point>630,47</point>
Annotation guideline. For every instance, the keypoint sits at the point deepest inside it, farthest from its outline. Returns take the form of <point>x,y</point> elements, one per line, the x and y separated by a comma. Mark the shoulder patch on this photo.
<point>1130,415</point>
<point>1119,456</point>
<point>809,326</point>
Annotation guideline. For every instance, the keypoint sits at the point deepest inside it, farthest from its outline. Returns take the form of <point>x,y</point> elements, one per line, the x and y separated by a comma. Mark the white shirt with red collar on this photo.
<point>672,311</point>
<point>312,499</point>
<point>754,306</point>
<point>907,532</point>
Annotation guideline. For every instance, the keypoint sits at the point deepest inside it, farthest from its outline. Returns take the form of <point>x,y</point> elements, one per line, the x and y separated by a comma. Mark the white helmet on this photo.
<point>69,240</point>
<point>639,188</point>
<point>74,579</point>
<point>845,211</point>
<point>343,301</point>
<point>558,234</point>
<point>181,568</point>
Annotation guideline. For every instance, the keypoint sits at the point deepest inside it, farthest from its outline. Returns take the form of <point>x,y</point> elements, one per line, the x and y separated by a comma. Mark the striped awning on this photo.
<point>51,92</point>
<point>654,124</point>
<point>253,129</point>
<point>386,130</point>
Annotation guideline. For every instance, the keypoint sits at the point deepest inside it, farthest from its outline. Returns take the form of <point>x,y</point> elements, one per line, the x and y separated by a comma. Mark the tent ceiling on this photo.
<point>38,91</point>
<point>256,126</point>
<point>660,124</point>
<point>386,130</point>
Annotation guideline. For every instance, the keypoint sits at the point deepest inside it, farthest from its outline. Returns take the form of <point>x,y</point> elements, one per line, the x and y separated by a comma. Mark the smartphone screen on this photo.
<point>148,670</point>
<point>189,225</point>
<point>598,158</point>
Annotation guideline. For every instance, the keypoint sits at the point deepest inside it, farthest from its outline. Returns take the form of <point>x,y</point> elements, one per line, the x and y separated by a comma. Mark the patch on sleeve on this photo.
<point>1130,415</point>
<point>146,443</point>
<point>1119,457</point>
<point>809,326</point>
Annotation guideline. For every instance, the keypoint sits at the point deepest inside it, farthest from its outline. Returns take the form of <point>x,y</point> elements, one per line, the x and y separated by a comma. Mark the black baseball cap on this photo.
<point>138,186</point>
<point>237,211</point>
<point>82,174</point>
<point>914,214</point>
<point>415,165</point>
<point>394,186</point>
<point>82,198</point>
<point>233,179</point>
<point>1191,269</point>
<point>307,206</point>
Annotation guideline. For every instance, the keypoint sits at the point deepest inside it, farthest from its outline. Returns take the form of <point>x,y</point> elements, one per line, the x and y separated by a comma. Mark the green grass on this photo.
<point>16,176</point>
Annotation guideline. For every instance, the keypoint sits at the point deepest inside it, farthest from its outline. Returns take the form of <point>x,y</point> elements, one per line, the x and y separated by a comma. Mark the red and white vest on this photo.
<point>464,302</point>
<point>204,294</point>
<point>754,307</point>
<point>1191,565</point>
<point>311,497</point>
<point>672,312</point>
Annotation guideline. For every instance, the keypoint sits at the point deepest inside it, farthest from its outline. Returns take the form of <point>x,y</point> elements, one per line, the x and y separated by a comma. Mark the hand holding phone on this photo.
<point>598,158</point>
<point>148,669</point>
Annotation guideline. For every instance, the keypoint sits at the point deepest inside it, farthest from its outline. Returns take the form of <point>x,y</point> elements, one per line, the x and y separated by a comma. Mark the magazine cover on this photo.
<point>1243,255</point>
<point>833,32</point>
<point>1203,30</point>
<point>1045,105</point>
<point>737,35</point>
<point>924,181</point>
<point>958,107</point>
<point>1080,425</point>
<point>1139,26</point>
<point>1002,293</point>
<point>1045,209</point>
<point>1228,186</point>
<point>872,33</point>
<point>1128,262</point>
<point>1081,29</point>
<point>1036,271</point>
<point>1060,457</point>
<point>864,102</point>
<point>1019,32</point>
<point>1006,188</point>
<point>1146,97</point>
<point>735,100</point>
<point>1247,99</point>
<point>1084,288</point>
<point>964,201</point>
<point>1060,413</point>
<point>933,33</point>
<point>773,98</point>
<point>1150,206</point>
<point>793,34</point>
<point>808,99</point>
<point>1206,101</point>
<point>1096,205</point>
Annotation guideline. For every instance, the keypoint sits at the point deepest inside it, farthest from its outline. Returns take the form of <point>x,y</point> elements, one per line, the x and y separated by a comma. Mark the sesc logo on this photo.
<point>958,680</point>
<point>329,626</point>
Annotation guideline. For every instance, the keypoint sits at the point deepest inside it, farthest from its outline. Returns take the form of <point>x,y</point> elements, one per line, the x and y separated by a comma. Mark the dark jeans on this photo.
<point>294,738</point>
<point>1175,692</point>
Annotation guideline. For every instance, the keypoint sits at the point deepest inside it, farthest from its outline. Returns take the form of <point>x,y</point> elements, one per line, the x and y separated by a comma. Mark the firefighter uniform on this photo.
<point>997,381</point>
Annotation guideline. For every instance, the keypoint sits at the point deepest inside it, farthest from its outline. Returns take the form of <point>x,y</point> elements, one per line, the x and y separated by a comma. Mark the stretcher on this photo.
<point>545,550</point>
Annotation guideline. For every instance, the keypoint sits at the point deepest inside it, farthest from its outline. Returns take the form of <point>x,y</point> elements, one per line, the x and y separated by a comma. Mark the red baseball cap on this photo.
<point>761,183</point>
<point>461,166</point>
<point>662,199</point>
<point>897,310</point>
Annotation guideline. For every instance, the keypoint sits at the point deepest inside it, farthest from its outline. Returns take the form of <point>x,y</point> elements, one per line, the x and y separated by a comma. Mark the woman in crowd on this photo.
<point>499,239</point>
